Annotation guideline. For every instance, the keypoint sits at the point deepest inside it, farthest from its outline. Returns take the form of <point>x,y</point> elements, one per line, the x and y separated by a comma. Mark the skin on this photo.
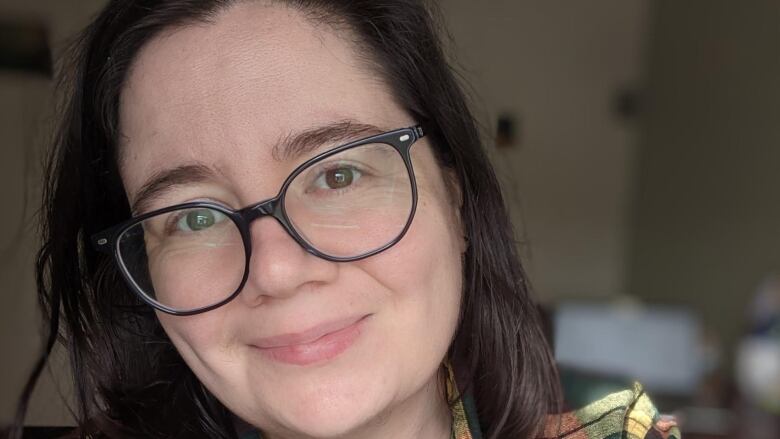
<point>221,94</point>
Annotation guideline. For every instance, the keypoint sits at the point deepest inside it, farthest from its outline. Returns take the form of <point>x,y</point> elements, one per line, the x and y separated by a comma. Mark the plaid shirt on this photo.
<point>625,415</point>
<point>628,414</point>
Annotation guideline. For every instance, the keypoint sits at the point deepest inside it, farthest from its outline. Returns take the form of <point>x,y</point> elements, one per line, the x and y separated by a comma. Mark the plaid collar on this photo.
<point>465,424</point>
<point>628,414</point>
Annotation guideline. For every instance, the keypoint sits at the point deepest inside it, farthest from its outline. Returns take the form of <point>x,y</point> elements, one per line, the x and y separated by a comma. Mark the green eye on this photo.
<point>199,219</point>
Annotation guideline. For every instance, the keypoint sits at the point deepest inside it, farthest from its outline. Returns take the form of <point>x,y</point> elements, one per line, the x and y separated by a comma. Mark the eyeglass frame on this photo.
<point>108,240</point>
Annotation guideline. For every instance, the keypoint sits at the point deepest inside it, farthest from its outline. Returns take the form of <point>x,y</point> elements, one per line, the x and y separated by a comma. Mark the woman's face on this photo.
<point>220,96</point>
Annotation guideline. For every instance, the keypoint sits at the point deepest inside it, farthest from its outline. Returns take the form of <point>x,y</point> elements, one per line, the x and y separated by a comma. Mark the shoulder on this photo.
<point>628,414</point>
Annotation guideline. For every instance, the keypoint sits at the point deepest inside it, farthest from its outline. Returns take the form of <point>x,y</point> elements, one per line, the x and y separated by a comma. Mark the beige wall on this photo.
<point>708,204</point>
<point>554,64</point>
<point>557,64</point>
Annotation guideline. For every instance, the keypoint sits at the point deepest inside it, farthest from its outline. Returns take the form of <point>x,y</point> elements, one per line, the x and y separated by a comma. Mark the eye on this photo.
<point>199,219</point>
<point>337,178</point>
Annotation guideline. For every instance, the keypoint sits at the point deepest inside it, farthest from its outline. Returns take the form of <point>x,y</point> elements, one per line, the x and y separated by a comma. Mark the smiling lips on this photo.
<point>320,343</point>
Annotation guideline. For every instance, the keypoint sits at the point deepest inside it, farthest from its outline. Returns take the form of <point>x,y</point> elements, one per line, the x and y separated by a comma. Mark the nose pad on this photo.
<point>279,267</point>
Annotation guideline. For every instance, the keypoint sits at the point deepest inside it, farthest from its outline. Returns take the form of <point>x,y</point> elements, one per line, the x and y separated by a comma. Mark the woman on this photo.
<point>275,219</point>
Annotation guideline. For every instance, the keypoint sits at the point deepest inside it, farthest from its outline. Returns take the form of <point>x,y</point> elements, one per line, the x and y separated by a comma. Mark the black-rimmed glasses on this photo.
<point>345,204</point>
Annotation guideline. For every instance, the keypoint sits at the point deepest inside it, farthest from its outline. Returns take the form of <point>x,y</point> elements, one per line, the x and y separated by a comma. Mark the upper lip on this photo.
<point>306,336</point>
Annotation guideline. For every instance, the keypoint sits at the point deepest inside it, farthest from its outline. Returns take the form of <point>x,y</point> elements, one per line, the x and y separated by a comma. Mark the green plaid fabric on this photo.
<point>624,415</point>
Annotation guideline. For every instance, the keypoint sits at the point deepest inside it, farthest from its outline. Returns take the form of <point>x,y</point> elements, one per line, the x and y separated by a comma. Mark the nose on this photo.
<point>279,267</point>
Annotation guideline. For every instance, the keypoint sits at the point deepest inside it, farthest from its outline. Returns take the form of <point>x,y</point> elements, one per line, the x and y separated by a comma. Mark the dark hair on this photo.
<point>130,380</point>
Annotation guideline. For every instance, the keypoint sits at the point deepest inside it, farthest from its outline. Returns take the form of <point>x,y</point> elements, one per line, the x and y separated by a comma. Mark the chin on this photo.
<point>328,418</point>
<point>325,402</point>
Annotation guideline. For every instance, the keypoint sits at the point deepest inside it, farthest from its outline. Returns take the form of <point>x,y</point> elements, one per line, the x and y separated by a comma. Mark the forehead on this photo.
<point>224,92</point>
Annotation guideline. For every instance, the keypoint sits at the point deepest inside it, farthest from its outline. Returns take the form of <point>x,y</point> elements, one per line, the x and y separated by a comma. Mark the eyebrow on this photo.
<point>303,142</point>
<point>163,181</point>
<point>292,145</point>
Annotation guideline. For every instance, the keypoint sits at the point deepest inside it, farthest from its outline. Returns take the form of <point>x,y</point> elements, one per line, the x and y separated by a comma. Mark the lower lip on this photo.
<point>323,349</point>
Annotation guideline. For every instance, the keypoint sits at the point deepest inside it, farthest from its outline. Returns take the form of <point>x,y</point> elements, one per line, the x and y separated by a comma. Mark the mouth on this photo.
<point>318,344</point>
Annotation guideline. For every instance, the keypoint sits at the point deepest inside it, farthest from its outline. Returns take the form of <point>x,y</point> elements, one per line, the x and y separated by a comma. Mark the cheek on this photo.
<point>203,341</point>
<point>423,272</point>
<point>191,276</point>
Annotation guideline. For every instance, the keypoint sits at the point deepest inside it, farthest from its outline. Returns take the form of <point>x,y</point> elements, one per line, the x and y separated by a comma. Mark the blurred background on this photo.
<point>638,143</point>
